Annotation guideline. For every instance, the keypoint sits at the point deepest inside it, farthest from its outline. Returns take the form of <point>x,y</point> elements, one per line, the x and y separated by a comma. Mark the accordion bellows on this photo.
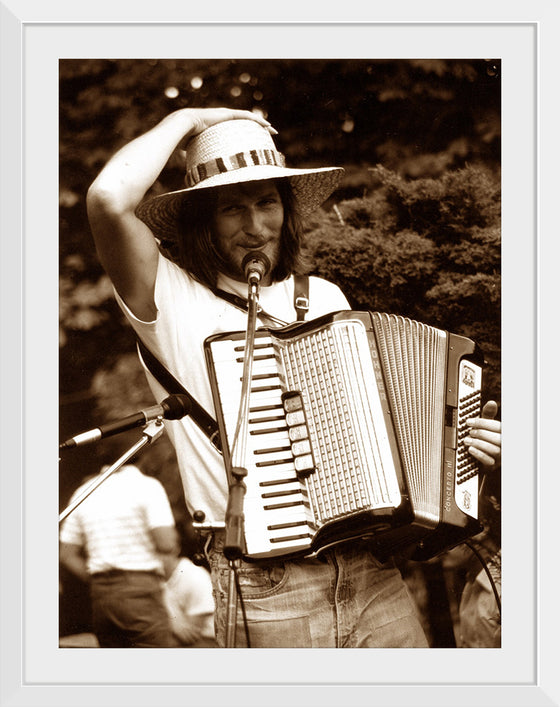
<point>355,431</point>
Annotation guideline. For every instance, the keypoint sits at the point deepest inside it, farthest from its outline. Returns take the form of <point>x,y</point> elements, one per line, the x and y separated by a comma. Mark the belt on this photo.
<point>108,574</point>
<point>218,541</point>
<point>219,536</point>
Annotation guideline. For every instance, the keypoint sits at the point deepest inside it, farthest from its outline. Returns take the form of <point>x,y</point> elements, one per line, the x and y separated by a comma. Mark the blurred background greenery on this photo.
<point>414,227</point>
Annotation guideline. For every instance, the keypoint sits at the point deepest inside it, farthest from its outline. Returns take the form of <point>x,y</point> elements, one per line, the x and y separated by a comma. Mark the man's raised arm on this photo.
<point>125,245</point>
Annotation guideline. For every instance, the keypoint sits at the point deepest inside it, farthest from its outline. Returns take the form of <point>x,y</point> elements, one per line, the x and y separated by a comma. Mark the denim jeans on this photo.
<point>128,611</point>
<point>346,599</point>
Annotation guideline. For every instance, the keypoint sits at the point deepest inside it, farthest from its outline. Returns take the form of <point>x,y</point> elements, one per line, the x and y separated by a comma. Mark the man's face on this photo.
<point>248,217</point>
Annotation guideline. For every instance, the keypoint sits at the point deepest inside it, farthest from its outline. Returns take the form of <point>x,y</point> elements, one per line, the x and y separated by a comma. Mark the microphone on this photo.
<point>256,266</point>
<point>172,408</point>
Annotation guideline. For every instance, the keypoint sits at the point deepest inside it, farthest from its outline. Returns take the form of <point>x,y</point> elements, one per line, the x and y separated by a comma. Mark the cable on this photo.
<point>488,574</point>
<point>242,605</point>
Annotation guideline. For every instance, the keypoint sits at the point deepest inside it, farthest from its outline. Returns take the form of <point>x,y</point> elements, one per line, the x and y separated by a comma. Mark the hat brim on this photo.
<point>311,187</point>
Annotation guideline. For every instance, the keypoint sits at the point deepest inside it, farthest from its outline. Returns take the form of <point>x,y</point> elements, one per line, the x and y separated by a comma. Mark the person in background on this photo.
<point>169,257</point>
<point>480,623</point>
<point>189,602</point>
<point>114,540</point>
<point>480,620</point>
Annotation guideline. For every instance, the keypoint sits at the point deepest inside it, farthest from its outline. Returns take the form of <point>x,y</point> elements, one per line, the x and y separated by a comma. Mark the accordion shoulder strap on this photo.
<point>165,378</point>
<point>301,300</point>
<point>301,296</point>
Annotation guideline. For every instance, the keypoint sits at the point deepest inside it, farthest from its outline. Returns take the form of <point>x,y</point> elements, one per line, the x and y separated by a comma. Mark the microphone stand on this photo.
<point>149,435</point>
<point>234,539</point>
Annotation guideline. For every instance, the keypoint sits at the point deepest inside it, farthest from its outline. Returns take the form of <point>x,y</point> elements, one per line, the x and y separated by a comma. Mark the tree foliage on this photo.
<point>428,249</point>
<point>414,227</point>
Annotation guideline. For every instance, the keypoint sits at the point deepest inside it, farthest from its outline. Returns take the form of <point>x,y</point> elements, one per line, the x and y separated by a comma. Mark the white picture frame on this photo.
<point>34,670</point>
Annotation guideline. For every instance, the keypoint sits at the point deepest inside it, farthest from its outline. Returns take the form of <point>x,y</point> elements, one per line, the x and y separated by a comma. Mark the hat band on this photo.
<point>261,157</point>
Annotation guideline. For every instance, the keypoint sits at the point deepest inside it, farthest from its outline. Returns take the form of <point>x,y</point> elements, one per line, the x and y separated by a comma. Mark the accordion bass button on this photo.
<point>295,418</point>
<point>301,447</point>
<point>304,464</point>
<point>298,433</point>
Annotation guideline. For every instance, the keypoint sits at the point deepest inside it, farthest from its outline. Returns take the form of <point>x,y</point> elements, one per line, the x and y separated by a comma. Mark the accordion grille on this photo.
<point>332,368</point>
<point>414,359</point>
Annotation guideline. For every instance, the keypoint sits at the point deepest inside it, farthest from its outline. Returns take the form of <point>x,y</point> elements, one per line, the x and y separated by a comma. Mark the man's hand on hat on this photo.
<point>203,118</point>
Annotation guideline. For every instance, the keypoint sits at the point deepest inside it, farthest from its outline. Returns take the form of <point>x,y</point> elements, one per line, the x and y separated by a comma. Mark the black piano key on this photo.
<point>274,462</point>
<point>285,526</point>
<point>276,506</point>
<point>257,357</point>
<point>264,345</point>
<point>268,430</point>
<point>276,494</point>
<point>262,388</point>
<point>272,450</point>
<point>270,418</point>
<point>287,538</point>
<point>264,408</point>
<point>277,482</point>
<point>259,376</point>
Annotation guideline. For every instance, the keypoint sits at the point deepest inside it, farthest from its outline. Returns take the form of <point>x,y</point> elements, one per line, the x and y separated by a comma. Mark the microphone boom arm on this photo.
<point>149,435</point>
<point>172,408</point>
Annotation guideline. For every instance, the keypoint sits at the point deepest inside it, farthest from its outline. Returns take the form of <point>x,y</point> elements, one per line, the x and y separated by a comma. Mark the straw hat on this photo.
<point>231,152</point>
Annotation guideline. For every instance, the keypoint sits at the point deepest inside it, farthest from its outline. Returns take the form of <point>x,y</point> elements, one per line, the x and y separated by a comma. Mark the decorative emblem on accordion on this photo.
<point>355,430</point>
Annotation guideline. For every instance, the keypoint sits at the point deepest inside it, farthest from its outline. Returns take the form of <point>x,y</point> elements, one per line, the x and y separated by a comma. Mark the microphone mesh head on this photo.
<point>256,262</point>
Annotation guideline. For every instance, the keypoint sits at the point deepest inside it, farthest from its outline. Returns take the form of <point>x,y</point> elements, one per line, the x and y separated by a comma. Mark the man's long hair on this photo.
<point>196,248</point>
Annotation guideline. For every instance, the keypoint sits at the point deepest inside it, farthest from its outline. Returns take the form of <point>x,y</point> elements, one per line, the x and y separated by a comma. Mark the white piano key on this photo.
<point>262,496</point>
<point>269,441</point>
<point>276,435</point>
<point>274,425</point>
<point>264,517</point>
<point>230,384</point>
<point>265,548</point>
<point>256,416</point>
<point>269,514</point>
<point>277,473</point>
<point>262,480</point>
<point>259,499</point>
<point>280,491</point>
<point>234,369</point>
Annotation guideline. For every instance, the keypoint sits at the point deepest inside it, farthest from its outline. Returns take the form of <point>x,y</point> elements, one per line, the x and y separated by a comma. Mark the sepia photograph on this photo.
<point>349,475</point>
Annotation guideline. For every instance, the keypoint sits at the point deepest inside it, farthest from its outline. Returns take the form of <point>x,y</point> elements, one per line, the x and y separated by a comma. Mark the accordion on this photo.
<point>355,431</point>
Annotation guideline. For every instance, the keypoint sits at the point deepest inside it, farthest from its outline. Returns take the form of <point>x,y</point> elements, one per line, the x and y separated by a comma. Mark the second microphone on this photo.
<point>172,408</point>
